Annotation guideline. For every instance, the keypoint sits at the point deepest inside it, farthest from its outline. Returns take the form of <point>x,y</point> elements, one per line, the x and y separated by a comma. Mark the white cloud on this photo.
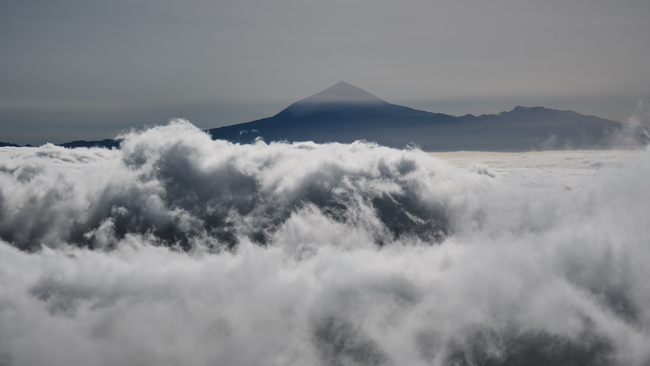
<point>370,255</point>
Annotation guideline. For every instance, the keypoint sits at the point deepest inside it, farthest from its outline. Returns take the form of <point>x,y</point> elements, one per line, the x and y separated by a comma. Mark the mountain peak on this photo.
<point>337,97</point>
<point>342,93</point>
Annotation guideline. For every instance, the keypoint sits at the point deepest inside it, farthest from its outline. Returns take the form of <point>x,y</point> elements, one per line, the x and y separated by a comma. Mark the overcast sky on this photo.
<point>73,69</point>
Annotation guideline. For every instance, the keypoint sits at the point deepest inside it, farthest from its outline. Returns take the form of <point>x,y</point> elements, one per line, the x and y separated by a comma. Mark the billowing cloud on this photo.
<point>180,249</point>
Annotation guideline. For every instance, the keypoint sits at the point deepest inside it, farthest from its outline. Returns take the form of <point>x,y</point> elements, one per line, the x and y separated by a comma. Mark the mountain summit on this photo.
<point>344,102</point>
<point>341,92</point>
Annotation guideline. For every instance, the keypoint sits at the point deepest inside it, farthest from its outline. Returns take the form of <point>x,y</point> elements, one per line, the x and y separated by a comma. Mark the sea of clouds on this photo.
<point>177,249</point>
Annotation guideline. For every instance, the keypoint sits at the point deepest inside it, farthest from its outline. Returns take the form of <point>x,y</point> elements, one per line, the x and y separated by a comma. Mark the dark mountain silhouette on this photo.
<point>345,113</point>
<point>9,144</point>
<point>108,143</point>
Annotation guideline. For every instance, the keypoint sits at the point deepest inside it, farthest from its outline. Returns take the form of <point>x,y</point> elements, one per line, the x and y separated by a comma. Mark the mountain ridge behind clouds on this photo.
<point>345,113</point>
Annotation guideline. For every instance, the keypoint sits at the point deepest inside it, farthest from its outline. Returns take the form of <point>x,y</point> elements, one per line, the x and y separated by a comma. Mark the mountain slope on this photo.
<point>345,113</point>
<point>342,113</point>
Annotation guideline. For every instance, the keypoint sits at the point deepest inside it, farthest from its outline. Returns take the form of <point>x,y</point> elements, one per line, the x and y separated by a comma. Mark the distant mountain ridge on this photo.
<point>345,113</point>
<point>107,143</point>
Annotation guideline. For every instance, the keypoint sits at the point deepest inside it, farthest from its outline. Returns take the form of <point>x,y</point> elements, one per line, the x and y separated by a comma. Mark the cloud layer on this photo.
<point>180,249</point>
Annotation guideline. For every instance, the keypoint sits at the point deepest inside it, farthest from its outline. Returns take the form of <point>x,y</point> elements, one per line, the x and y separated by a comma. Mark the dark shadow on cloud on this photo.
<point>515,348</point>
<point>339,343</point>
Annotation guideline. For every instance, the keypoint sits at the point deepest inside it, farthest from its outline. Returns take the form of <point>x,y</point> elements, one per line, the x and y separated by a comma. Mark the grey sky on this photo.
<point>87,69</point>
